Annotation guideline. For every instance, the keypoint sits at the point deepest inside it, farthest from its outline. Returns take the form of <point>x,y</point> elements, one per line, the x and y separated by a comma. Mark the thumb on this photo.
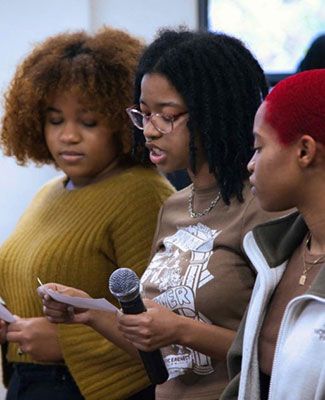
<point>2,323</point>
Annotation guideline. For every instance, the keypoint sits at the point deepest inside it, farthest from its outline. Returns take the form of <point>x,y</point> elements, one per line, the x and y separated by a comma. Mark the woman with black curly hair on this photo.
<point>65,106</point>
<point>195,100</point>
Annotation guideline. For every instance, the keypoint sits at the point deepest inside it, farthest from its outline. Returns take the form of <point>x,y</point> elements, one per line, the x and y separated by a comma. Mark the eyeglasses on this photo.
<point>162,122</point>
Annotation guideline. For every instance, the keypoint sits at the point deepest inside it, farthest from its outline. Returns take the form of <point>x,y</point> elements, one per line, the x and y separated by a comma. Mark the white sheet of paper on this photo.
<point>6,315</point>
<point>81,302</point>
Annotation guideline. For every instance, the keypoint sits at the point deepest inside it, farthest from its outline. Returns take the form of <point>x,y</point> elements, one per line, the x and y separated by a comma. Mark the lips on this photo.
<point>253,188</point>
<point>157,155</point>
<point>71,156</point>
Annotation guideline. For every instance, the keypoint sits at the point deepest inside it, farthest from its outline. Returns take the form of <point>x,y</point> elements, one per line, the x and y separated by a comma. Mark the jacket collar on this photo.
<point>277,239</point>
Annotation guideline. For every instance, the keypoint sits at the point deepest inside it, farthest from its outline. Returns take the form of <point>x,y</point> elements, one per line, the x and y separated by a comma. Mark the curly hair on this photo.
<point>222,85</point>
<point>100,68</point>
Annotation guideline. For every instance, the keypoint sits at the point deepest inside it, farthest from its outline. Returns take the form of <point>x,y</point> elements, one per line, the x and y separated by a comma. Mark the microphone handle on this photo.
<point>152,360</point>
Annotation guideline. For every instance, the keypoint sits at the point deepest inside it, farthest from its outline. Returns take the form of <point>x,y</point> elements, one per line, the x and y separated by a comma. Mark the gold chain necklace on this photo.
<point>303,276</point>
<point>197,214</point>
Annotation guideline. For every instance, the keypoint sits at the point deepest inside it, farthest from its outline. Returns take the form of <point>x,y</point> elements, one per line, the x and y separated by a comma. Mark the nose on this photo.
<point>251,164</point>
<point>70,133</point>
<point>150,132</point>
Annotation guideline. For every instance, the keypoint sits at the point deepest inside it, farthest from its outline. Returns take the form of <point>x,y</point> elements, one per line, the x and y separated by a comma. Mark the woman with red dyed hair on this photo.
<point>279,353</point>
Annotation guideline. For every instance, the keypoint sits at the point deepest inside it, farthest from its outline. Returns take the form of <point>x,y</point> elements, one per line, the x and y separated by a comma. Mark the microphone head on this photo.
<point>124,284</point>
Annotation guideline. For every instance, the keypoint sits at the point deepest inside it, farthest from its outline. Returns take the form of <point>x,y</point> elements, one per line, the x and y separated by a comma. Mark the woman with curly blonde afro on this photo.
<point>66,106</point>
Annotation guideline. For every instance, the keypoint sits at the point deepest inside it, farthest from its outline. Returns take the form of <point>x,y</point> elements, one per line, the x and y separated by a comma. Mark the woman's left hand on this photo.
<point>36,337</point>
<point>150,330</point>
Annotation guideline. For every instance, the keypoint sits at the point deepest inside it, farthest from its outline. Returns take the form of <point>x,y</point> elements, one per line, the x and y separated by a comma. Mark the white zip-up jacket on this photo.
<point>298,371</point>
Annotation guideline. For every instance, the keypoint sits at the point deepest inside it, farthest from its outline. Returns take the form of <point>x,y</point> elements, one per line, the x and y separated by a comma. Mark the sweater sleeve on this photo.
<point>135,227</point>
<point>102,370</point>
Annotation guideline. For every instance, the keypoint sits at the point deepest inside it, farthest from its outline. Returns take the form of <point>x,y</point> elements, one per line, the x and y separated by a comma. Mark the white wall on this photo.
<point>24,22</point>
<point>143,17</point>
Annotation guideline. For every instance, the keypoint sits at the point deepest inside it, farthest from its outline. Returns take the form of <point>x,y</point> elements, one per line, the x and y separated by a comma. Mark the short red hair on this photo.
<point>296,106</point>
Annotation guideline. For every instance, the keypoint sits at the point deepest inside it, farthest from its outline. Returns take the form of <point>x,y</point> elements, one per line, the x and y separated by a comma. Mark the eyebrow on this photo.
<point>163,103</point>
<point>81,111</point>
<point>52,109</point>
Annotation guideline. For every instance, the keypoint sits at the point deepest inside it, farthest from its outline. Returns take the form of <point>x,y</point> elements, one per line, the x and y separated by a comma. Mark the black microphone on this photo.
<point>125,286</point>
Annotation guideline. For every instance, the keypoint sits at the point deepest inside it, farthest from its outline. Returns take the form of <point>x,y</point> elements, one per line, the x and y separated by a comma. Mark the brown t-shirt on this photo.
<point>199,270</point>
<point>287,289</point>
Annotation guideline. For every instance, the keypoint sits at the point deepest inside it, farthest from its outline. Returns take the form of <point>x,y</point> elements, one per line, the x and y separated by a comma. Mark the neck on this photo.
<point>315,220</point>
<point>311,205</point>
<point>317,230</point>
<point>110,170</point>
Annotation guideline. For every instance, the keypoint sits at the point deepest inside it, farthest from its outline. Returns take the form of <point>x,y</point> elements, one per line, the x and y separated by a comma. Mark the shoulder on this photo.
<point>139,189</point>
<point>174,210</point>
<point>52,185</point>
<point>178,199</point>
<point>143,180</point>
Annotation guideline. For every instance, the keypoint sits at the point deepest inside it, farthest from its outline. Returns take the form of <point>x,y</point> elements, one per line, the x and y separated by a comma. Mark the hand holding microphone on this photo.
<point>124,285</point>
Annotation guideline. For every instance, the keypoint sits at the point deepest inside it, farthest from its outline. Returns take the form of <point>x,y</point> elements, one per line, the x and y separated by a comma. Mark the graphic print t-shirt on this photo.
<point>199,271</point>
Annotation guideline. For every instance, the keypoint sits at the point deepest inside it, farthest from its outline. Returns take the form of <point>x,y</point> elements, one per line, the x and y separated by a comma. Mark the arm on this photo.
<point>105,323</point>
<point>216,308</point>
<point>159,327</point>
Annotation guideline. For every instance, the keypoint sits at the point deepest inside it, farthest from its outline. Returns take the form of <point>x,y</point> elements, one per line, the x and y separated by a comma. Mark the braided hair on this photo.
<point>222,85</point>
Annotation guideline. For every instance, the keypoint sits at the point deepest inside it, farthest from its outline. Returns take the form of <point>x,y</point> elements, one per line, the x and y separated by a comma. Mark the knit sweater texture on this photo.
<point>78,238</point>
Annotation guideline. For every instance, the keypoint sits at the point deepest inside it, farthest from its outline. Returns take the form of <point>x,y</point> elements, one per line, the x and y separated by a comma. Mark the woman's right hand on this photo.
<point>3,331</point>
<point>57,312</point>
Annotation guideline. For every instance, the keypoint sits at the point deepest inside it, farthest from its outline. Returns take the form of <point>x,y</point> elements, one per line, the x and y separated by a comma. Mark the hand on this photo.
<point>3,331</point>
<point>150,330</point>
<point>57,312</point>
<point>36,337</point>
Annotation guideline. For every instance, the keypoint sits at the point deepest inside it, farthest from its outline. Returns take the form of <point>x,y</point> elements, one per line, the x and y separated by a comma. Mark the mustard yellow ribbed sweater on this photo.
<point>78,238</point>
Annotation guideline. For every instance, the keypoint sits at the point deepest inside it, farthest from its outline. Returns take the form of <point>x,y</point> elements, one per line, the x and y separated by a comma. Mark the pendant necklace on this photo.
<point>303,276</point>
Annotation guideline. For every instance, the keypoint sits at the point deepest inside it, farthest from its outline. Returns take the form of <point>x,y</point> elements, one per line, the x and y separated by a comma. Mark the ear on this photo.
<point>306,149</point>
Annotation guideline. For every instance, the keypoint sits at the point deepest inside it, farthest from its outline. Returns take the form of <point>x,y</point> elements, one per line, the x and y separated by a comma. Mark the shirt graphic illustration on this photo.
<point>177,273</point>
